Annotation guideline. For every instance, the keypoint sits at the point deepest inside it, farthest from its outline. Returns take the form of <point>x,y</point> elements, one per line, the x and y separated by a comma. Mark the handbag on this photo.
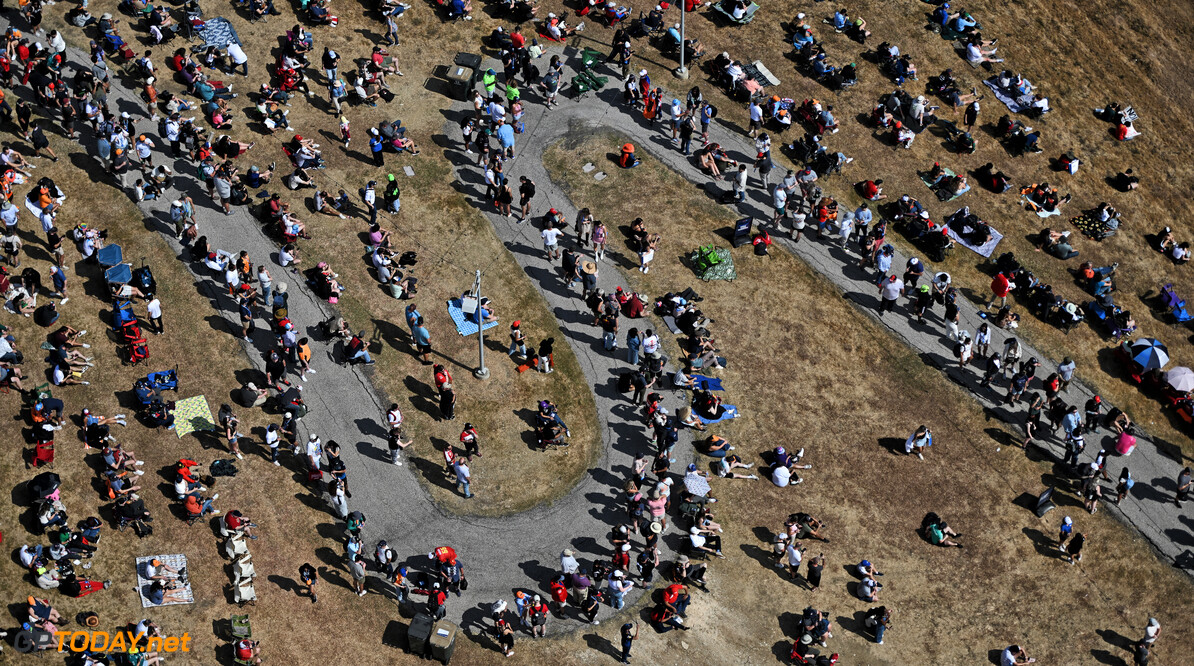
<point>463,583</point>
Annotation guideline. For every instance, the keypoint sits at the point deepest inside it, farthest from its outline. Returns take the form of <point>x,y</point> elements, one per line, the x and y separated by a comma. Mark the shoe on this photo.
<point>752,476</point>
<point>920,455</point>
<point>798,482</point>
<point>277,464</point>
<point>139,472</point>
<point>799,454</point>
<point>239,456</point>
<point>214,497</point>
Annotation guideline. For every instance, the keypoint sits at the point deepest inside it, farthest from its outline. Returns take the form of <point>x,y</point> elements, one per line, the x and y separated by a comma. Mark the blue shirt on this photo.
<point>375,144</point>
<point>421,335</point>
<point>505,134</point>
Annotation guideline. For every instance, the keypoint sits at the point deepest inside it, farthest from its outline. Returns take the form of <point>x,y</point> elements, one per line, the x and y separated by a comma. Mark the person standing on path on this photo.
<point>890,292</point>
<point>551,240</point>
<point>629,635</point>
<point>1065,372</point>
<point>422,338</point>
<point>266,282</point>
<point>397,441</point>
<point>1183,487</point>
<point>599,239</point>
<point>526,192</point>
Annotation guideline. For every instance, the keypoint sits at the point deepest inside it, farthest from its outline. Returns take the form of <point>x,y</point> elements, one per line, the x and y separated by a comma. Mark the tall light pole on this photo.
<point>682,72</point>
<point>481,372</point>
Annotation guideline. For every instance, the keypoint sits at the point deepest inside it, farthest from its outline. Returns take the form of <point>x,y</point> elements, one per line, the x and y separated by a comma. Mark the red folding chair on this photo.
<point>43,454</point>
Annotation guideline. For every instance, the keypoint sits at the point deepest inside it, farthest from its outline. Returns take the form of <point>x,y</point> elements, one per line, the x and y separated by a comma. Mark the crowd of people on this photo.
<point>81,105</point>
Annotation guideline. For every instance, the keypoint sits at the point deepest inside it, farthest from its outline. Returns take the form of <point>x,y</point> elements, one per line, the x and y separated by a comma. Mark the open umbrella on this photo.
<point>44,484</point>
<point>696,484</point>
<point>1181,379</point>
<point>1150,353</point>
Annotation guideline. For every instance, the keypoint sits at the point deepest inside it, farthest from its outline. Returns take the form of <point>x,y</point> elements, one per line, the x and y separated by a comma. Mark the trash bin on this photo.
<point>470,60</point>
<point>443,641</point>
<point>417,634</point>
<point>461,81</point>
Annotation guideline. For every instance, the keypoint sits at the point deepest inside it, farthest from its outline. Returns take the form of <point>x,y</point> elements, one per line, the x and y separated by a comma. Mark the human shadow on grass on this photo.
<point>855,624</point>
<point>1044,545</point>
<point>1105,657</point>
<point>603,645</point>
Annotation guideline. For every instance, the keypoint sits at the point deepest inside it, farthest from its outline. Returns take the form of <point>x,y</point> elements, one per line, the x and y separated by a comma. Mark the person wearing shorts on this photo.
<point>422,339</point>
<point>551,240</point>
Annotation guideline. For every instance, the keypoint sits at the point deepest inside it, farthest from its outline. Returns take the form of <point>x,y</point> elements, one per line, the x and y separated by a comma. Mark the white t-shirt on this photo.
<point>973,54</point>
<point>237,54</point>
<point>651,344</point>
<point>551,236</point>
<point>781,476</point>
<point>794,556</point>
<point>697,540</point>
<point>1007,658</point>
<point>394,417</point>
<point>155,309</point>
<point>59,376</point>
<point>892,289</point>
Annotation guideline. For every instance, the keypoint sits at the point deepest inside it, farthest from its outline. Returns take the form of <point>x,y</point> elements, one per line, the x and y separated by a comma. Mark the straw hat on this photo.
<point>588,267</point>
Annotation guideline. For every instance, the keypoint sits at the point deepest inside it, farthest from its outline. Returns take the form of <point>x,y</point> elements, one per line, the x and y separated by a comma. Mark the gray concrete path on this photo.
<point>1154,465</point>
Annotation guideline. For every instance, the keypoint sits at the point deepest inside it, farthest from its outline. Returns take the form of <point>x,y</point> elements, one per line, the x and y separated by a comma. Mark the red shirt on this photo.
<point>518,40</point>
<point>672,593</point>
<point>1000,285</point>
<point>1121,132</point>
<point>233,522</point>
<point>445,554</point>
<point>870,190</point>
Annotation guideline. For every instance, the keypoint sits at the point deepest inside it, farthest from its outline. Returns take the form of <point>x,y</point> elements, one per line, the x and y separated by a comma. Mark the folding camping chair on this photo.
<point>43,454</point>
<point>1174,304</point>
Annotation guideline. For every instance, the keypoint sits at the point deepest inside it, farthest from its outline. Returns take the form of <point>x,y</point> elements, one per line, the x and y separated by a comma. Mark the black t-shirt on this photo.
<point>951,310</point>
<point>307,573</point>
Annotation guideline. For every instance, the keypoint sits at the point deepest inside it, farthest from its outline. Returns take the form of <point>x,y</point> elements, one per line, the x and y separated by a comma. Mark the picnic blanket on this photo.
<point>942,195</point>
<point>1011,98</point>
<point>731,412</point>
<point>1034,207</point>
<point>1090,226</point>
<point>218,32</point>
<point>708,383</point>
<point>177,561</point>
<point>463,325</point>
<point>192,415</point>
<point>723,270</point>
<point>986,249</point>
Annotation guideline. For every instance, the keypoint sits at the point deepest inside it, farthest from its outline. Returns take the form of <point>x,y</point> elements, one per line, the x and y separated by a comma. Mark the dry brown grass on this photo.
<point>997,594</point>
<point>821,375</point>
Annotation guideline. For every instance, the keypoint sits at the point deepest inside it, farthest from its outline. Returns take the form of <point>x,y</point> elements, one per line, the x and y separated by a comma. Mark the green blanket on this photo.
<point>723,270</point>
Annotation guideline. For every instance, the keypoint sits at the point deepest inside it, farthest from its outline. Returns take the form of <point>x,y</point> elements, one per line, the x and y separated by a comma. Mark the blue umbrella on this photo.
<point>1150,353</point>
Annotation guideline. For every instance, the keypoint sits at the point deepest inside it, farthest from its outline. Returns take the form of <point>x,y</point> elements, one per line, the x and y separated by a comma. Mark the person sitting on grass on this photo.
<point>705,541</point>
<point>938,532</point>
<point>868,588</point>
<point>1125,131</point>
<point>976,54</point>
<point>903,135</point>
<point>871,189</point>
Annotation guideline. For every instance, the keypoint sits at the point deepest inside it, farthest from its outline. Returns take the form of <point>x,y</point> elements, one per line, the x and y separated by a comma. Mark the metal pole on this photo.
<point>481,372</point>
<point>682,72</point>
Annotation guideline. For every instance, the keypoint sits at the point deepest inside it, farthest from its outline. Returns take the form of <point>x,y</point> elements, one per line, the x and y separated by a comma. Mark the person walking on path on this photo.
<point>1183,487</point>
<point>398,441</point>
<point>629,635</point>
<point>422,339</point>
<point>890,292</point>
<point>551,240</point>
<point>526,192</point>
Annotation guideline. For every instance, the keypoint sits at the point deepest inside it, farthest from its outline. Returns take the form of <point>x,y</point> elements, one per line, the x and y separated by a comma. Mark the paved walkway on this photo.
<point>1155,466</point>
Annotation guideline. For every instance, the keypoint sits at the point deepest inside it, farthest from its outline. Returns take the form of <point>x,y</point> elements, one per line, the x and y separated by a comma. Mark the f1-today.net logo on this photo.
<point>29,640</point>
